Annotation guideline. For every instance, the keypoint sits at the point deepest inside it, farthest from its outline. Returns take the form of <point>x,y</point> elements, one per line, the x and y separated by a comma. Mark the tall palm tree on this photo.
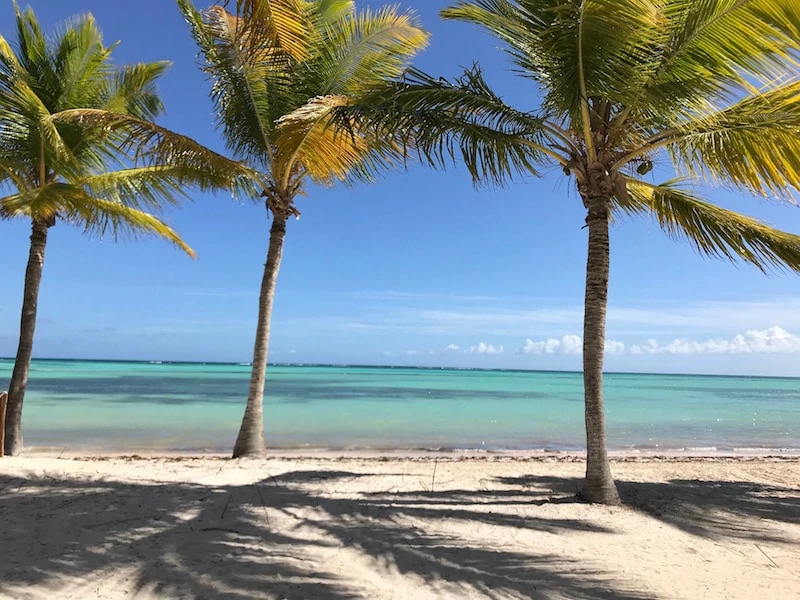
<point>68,118</point>
<point>278,69</point>
<point>710,88</point>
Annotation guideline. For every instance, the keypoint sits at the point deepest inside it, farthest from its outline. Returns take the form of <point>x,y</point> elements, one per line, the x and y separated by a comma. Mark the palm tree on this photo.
<point>708,87</point>
<point>67,118</point>
<point>278,69</point>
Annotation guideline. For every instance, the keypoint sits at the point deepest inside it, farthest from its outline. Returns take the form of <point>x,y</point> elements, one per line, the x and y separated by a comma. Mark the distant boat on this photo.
<point>156,362</point>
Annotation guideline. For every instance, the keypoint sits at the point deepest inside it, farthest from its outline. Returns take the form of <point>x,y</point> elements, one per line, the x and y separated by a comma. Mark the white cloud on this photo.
<point>546,347</point>
<point>774,340</point>
<point>292,351</point>
<point>484,348</point>
<point>431,351</point>
<point>569,345</point>
<point>452,348</point>
<point>566,345</point>
<point>411,352</point>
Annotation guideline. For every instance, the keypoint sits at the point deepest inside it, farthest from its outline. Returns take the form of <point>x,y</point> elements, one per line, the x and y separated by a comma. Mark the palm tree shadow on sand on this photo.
<point>277,538</point>
<point>709,509</point>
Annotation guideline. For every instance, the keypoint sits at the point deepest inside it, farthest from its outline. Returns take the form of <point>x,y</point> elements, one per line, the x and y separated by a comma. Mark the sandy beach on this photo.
<point>399,527</point>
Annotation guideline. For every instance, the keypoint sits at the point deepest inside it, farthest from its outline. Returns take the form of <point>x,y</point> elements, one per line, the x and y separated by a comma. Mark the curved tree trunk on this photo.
<point>22,364</point>
<point>599,486</point>
<point>250,441</point>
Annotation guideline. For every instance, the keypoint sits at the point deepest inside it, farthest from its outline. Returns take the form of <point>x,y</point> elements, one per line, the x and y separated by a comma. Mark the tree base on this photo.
<point>600,493</point>
<point>13,445</point>
<point>249,451</point>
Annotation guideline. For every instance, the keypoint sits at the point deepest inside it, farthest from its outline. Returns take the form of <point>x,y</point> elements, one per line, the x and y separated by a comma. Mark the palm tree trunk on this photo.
<point>22,365</point>
<point>599,486</point>
<point>250,442</point>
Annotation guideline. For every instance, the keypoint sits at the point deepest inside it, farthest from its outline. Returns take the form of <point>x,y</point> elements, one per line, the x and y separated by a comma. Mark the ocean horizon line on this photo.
<point>410,367</point>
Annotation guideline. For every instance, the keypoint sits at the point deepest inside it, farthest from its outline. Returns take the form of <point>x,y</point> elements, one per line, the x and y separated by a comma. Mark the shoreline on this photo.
<point>420,455</point>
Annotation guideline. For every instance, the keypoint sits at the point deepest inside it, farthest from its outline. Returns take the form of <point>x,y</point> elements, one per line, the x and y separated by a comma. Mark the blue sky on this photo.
<point>419,269</point>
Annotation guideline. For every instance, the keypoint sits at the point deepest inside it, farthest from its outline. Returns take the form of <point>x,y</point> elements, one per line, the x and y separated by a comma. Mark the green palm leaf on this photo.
<point>273,24</point>
<point>82,64</point>
<point>442,120</point>
<point>310,141</point>
<point>578,49</point>
<point>133,91</point>
<point>324,13</point>
<point>753,144</point>
<point>712,230</point>
<point>26,125</point>
<point>101,218</point>
<point>41,203</point>
<point>358,50</point>
<point>715,48</point>
<point>241,89</point>
<point>97,216</point>
<point>143,188</point>
<point>188,162</point>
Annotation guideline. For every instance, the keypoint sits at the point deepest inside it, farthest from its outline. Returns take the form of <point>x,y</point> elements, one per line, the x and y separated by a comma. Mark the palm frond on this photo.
<point>442,120</point>
<point>193,163</point>
<point>101,218</point>
<point>25,118</point>
<point>243,91</point>
<point>33,54</point>
<point>324,13</point>
<point>712,230</point>
<point>574,48</point>
<point>75,205</point>
<point>7,54</point>
<point>753,144</point>
<point>143,188</point>
<point>715,49</point>
<point>311,139</point>
<point>81,63</point>
<point>132,90</point>
<point>361,49</point>
<point>10,171</point>
<point>71,69</point>
<point>520,26</point>
<point>275,24</point>
<point>42,203</point>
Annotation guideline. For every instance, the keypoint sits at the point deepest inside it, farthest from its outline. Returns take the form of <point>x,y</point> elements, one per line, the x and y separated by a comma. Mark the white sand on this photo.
<point>294,528</point>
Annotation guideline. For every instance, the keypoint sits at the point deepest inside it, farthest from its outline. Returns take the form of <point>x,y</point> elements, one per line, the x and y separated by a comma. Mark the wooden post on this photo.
<point>3,404</point>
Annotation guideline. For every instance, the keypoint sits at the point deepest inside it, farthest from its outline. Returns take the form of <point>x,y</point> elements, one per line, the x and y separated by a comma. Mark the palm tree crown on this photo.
<point>67,116</point>
<point>278,70</point>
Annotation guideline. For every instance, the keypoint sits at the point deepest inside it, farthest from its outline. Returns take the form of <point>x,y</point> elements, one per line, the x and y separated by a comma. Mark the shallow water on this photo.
<point>122,406</point>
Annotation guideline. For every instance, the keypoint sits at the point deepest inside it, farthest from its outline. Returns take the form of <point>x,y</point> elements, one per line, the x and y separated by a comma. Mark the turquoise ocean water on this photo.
<point>123,406</point>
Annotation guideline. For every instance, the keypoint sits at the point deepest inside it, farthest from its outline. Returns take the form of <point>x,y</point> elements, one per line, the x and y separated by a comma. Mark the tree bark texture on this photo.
<point>250,441</point>
<point>22,364</point>
<point>599,486</point>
